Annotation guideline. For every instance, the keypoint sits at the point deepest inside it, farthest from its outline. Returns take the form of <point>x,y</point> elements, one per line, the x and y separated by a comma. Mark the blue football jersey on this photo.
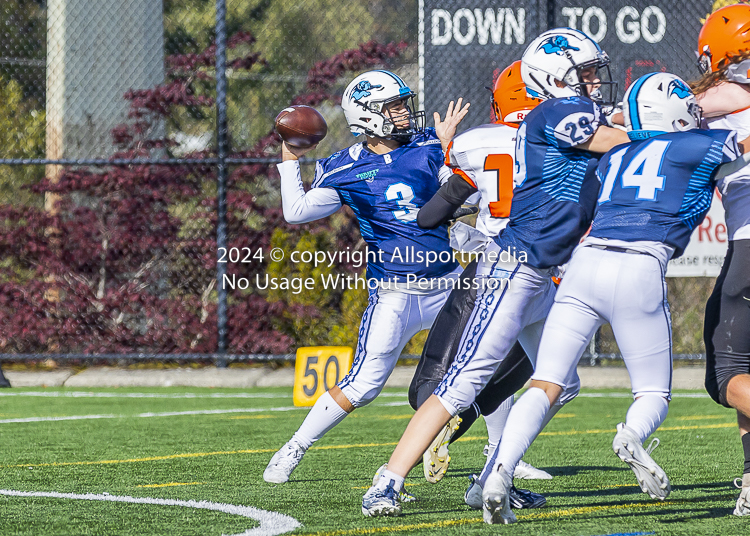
<point>386,192</point>
<point>556,186</point>
<point>660,188</point>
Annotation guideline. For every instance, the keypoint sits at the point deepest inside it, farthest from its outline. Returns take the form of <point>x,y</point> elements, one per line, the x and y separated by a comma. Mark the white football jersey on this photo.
<point>735,188</point>
<point>485,157</point>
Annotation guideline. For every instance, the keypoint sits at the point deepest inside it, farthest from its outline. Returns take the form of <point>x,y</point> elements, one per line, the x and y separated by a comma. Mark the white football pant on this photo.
<point>629,292</point>
<point>391,318</point>
<point>512,305</point>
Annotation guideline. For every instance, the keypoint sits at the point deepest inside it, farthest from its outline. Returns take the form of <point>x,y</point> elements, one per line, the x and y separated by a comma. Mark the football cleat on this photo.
<point>523,498</point>
<point>381,501</point>
<point>403,495</point>
<point>519,498</point>
<point>651,478</point>
<point>436,458</point>
<point>496,498</point>
<point>529,472</point>
<point>743,502</point>
<point>473,495</point>
<point>283,463</point>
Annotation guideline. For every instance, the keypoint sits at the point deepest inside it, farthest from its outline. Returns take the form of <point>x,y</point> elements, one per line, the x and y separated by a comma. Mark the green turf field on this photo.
<point>210,446</point>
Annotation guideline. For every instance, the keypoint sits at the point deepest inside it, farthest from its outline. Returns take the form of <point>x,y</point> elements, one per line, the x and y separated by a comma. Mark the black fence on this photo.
<point>139,199</point>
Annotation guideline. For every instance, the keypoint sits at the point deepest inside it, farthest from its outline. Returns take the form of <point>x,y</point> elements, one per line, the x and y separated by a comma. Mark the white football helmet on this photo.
<point>560,55</point>
<point>660,102</point>
<point>364,99</point>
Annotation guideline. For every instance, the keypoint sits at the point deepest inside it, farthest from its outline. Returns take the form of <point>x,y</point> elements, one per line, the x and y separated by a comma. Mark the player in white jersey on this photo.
<point>552,207</point>
<point>724,94</point>
<point>482,160</point>
<point>384,180</point>
<point>654,192</point>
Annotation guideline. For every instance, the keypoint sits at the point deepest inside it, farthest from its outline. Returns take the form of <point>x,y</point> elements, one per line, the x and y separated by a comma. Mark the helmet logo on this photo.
<point>557,44</point>
<point>362,90</point>
<point>678,87</point>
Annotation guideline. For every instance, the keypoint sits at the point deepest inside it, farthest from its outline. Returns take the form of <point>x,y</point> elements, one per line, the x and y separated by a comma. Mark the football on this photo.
<point>301,126</point>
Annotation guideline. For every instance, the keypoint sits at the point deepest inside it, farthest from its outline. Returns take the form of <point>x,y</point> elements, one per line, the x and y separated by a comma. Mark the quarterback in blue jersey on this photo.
<point>654,192</point>
<point>553,204</point>
<point>384,180</point>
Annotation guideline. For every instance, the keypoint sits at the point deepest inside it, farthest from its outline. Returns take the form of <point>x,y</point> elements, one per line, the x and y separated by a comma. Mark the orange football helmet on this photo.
<point>726,33</point>
<point>510,102</point>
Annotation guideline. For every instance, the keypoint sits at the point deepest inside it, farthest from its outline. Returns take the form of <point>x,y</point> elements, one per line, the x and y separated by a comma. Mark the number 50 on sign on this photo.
<point>317,369</point>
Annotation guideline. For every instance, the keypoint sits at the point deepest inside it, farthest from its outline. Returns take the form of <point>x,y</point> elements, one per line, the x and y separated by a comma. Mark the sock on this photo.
<point>323,416</point>
<point>551,413</point>
<point>389,477</point>
<point>523,425</point>
<point>468,417</point>
<point>489,465</point>
<point>646,414</point>
<point>496,422</point>
<point>746,448</point>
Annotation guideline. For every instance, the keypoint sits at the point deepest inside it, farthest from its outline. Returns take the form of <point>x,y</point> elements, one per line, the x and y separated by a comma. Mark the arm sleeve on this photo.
<point>300,206</point>
<point>444,203</point>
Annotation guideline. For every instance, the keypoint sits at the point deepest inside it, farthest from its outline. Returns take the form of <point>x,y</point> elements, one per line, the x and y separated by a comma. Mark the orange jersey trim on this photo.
<point>448,155</point>
<point>465,177</point>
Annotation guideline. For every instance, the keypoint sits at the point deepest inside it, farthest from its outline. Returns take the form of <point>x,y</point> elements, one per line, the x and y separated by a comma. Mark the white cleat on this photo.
<point>651,478</point>
<point>381,502</point>
<point>436,458</point>
<point>743,502</point>
<point>473,495</point>
<point>529,472</point>
<point>496,498</point>
<point>282,464</point>
<point>403,495</point>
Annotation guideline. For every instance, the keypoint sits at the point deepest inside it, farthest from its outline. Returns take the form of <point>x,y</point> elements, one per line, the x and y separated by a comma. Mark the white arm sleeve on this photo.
<point>301,207</point>
<point>444,173</point>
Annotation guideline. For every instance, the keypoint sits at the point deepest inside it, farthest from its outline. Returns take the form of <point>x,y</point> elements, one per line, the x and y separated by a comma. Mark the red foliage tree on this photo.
<point>131,263</point>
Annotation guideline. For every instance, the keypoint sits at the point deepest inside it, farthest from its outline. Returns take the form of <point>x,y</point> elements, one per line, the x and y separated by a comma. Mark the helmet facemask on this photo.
<point>606,92</point>
<point>399,126</point>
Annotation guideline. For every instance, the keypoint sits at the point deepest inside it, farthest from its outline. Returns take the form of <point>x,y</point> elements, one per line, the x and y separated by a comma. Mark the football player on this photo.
<point>654,192</point>
<point>552,207</point>
<point>724,95</point>
<point>482,162</point>
<point>384,180</point>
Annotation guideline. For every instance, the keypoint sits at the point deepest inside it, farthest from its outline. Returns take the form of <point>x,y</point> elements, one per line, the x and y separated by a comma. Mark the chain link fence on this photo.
<point>136,163</point>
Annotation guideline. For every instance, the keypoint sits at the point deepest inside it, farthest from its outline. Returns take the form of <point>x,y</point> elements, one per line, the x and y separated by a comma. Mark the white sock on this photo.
<point>489,465</point>
<point>646,414</point>
<point>495,422</point>
<point>387,477</point>
<point>551,413</point>
<point>523,425</point>
<point>323,416</point>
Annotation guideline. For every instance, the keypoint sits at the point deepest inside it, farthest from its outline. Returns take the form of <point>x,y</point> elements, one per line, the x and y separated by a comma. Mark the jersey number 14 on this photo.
<point>643,172</point>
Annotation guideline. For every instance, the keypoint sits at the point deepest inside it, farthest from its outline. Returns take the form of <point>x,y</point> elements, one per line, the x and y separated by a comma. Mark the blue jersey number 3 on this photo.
<point>402,194</point>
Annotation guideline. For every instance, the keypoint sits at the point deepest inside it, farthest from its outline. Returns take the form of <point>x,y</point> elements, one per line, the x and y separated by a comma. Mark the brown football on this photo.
<point>301,126</point>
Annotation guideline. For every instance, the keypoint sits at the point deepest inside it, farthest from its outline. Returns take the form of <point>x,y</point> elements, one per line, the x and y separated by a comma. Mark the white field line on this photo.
<point>177,396</point>
<point>271,523</point>
<point>261,410</point>
<point>89,394</point>
<point>146,415</point>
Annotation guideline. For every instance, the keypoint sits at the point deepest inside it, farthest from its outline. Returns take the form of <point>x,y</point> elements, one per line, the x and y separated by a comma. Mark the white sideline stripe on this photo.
<point>147,414</point>
<point>271,523</point>
<point>88,394</point>
<point>166,414</point>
